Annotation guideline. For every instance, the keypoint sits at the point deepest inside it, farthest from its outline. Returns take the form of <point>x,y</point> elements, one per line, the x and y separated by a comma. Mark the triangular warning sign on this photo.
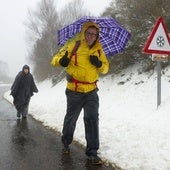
<point>158,41</point>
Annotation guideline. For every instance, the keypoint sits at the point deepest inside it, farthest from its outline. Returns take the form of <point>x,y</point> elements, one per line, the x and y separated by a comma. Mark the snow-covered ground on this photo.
<point>134,133</point>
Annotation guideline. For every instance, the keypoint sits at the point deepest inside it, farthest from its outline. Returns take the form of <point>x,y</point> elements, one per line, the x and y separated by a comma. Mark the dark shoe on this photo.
<point>66,150</point>
<point>24,117</point>
<point>95,160</point>
<point>18,115</point>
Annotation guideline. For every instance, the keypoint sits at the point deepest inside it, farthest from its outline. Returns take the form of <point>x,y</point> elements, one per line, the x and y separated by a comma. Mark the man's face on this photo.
<point>26,70</point>
<point>91,35</point>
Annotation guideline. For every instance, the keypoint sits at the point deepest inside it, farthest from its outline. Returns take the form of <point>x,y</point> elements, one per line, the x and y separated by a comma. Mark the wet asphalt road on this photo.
<point>27,145</point>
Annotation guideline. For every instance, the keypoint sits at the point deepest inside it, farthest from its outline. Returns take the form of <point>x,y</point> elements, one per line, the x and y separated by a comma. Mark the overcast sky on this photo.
<point>13,47</point>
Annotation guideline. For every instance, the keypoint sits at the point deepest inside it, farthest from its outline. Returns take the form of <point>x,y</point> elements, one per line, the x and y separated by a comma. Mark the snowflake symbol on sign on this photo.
<point>160,41</point>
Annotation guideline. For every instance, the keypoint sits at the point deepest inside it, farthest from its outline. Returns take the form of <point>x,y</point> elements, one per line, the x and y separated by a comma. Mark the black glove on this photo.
<point>64,61</point>
<point>95,61</point>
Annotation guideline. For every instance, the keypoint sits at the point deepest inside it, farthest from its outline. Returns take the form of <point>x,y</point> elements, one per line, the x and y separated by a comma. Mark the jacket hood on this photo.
<point>86,25</point>
<point>26,67</point>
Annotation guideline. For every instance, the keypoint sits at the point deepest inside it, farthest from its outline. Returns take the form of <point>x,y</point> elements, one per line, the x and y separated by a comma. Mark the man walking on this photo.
<point>22,89</point>
<point>83,59</point>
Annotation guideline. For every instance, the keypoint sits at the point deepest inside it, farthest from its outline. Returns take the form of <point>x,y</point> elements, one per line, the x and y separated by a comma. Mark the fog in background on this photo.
<point>13,45</point>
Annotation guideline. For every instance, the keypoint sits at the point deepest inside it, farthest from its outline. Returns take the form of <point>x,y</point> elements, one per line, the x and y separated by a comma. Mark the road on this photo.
<point>28,145</point>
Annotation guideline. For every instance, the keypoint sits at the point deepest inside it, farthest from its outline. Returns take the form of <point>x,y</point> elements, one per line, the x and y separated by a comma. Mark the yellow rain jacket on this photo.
<point>84,74</point>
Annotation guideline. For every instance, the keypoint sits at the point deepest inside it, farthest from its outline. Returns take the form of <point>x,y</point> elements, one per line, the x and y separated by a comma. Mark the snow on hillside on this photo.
<point>134,133</point>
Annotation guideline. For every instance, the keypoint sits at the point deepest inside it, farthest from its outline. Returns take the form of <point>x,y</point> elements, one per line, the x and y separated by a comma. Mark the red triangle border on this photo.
<point>146,47</point>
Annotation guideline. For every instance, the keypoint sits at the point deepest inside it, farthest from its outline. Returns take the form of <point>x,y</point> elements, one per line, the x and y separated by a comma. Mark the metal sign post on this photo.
<point>158,44</point>
<point>158,83</point>
<point>159,58</point>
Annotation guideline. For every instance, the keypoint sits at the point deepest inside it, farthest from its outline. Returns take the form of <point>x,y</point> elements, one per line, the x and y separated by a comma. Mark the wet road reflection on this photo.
<point>27,145</point>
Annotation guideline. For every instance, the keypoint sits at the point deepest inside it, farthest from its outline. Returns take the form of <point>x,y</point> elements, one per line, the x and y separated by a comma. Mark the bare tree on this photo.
<point>42,27</point>
<point>4,72</point>
<point>139,18</point>
<point>72,11</point>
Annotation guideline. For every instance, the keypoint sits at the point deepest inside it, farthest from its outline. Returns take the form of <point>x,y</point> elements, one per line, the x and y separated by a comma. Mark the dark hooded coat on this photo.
<point>23,87</point>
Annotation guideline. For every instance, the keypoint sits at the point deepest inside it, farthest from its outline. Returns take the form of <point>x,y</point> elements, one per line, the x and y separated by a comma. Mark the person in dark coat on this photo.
<point>22,90</point>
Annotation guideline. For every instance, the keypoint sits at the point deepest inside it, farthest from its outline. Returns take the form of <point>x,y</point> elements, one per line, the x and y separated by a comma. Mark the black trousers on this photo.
<point>89,102</point>
<point>21,106</point>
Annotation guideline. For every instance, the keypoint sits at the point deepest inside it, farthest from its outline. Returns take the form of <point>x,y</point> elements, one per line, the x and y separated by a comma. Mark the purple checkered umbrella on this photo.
<point>113,36</point>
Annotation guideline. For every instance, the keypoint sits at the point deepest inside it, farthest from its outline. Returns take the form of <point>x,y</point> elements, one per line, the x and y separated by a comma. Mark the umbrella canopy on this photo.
<point>113,37</point>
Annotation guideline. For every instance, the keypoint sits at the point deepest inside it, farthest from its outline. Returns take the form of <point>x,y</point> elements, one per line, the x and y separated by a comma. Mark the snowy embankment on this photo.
<point>134,133</point>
